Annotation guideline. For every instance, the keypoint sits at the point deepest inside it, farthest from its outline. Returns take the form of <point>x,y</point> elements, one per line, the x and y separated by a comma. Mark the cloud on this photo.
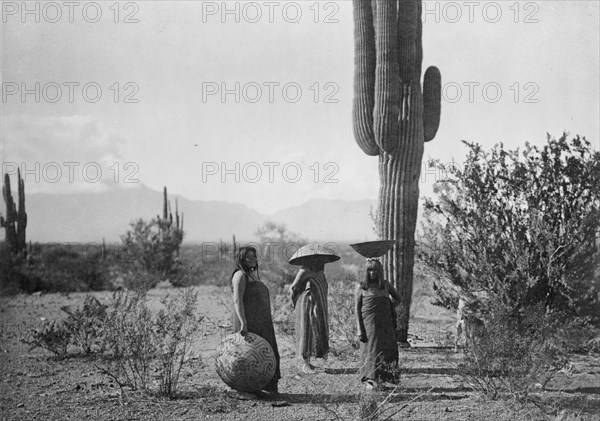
<point>62,154</point>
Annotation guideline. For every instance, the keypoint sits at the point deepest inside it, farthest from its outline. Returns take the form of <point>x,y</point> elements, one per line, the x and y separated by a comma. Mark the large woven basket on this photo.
<point>245,363</point>
<point>373,249</point>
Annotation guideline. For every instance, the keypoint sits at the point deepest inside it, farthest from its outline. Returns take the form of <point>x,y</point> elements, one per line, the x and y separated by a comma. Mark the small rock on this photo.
<point>21,405</point>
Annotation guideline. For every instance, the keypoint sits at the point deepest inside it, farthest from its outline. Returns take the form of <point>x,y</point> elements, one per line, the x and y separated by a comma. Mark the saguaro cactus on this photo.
<point>392,119</point>
<point>166,222</point>
<point>15,222</point>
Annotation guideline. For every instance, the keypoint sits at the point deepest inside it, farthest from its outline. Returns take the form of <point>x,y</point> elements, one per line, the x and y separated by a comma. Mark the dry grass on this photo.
<point>37,386</point>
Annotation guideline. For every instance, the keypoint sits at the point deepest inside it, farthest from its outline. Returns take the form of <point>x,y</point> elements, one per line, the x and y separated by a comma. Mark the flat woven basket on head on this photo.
<point>373,249</point>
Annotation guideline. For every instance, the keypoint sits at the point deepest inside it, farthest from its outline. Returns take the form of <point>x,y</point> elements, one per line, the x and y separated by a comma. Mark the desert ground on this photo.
<point>37,386</point>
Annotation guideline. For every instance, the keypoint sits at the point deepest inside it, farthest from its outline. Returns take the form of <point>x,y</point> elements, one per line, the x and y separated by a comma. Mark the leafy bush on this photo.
<point>521,226</point>
<point>152,247</point>
<point>519,232</point>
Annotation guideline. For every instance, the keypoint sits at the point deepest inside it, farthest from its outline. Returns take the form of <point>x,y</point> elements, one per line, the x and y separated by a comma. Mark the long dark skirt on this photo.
<point>379,355</point>
<point>257,306</point>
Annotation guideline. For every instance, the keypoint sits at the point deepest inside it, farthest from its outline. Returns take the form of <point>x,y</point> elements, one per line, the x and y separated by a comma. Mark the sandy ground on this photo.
<point>35,385</point>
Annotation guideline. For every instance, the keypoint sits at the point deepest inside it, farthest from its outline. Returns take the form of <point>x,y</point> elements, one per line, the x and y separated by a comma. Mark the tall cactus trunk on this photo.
<point>393,119</point>
<point>399,175</point>
<point>398,203</point>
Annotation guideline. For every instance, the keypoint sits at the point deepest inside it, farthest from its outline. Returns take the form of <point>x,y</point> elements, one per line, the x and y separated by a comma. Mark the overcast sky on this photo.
<point>251,102</point>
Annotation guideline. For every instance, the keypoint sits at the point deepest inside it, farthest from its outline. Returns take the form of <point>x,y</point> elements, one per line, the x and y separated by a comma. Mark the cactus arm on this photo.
<point>432,99</point>
<point>408,40</point>
<point>165,214</point>
<point>21,216</point>
<point>364,77</point>
<point>176,214</point>
<point>387,98</point>
<point>11,215</point>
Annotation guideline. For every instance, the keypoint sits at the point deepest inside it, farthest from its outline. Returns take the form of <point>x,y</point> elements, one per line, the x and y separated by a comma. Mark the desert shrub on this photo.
<point>519,231</point>
<point>152,246</point>
<point>138,279</point>
<point>213,272</point>
<point>63,268</point>
<point>140,344</point>
<point>86,325</point>
<point>376,407</point>
<point>514,353</point>
<point>128,340</point>
<point>13,277</point>
<point>54,337</point>
<point>82,328</point>
<point>54,268</point>
<point>188,274</point>
<point>137,345</point>
<point>176,327</point>
<point>521,226</point>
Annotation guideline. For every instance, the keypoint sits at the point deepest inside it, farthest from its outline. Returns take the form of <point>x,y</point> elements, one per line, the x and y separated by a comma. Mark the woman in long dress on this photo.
<point>309,295</point>
<point>375,318</point>
<point>252,306</point>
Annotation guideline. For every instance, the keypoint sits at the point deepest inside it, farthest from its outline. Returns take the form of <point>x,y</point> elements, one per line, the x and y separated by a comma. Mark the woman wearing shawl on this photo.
<point>375,319</point>
<point>252,306</point>
<point>309,295</point>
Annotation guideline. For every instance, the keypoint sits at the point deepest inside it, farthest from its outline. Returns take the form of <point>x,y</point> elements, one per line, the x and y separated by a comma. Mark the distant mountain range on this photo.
<point>91,217</point>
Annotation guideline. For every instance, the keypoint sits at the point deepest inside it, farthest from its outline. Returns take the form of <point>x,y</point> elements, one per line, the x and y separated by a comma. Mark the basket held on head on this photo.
<point>373,249</point>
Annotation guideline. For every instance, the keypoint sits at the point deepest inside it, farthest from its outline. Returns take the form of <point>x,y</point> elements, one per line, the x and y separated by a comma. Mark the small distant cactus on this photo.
<point>15,222</point>
<point>166,222</point>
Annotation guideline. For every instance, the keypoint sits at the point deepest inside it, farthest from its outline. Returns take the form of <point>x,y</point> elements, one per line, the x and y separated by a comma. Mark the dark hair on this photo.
<point>373,264</point>
<point>240,262</point>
